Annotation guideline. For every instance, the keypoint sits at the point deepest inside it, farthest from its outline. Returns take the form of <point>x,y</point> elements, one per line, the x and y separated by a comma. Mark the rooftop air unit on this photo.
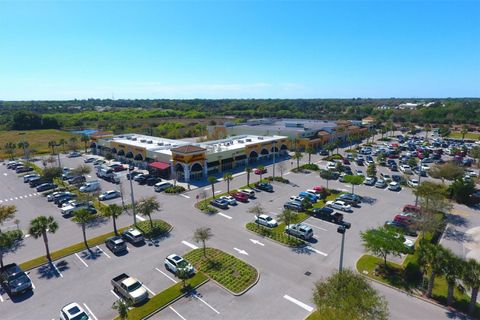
<point>143,140</point>
<point>159,143</point>
<point>248,140</point>
<point>149,141</point>
<point>129,138</point>
<point>134,139</point>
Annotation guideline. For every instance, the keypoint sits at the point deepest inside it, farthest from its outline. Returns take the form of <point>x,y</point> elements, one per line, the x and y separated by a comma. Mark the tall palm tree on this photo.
<point>248,170</point>
<point>310,151</point>
<point>203,235</point>
<point>62,142</point>
<point>261,168</point>
<point>40,227</point>
<point>429,256</point>
<point>52,144</point>
<point>83,217</point>
<point>228,177</point>
<point>112,211</point>
<point>298,156</point>
<point>7,240</point>
<point>146,207</point>
<point>452,268</point>
<point>212,180</point>
<point>471,278</point>
<point>464,131</point>
<point>85,139</point>
<point>24,145</point>
<point>10,149</point>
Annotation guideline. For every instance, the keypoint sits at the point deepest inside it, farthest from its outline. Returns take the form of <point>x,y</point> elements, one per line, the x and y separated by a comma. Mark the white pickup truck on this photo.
<point>129,288</point>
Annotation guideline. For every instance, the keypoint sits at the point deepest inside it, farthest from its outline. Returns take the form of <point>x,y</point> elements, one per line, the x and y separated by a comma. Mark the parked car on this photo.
<point>107,195</point>
<point>117,167</point>
<point>266,220</point>
<point>13,164</point>
<point>405,168</point>
<point>330,215</point>
<point>35,182</point>
<point>297,198</point>
<point>339,205</point>
<point>352,197</point>
<point>394,186</point>
<point>129,288</point>
<point>89,160</point>
<point>313,198</point>
<point>98,162</point>
<point>46,186</point>
<point>133,235</point>
<point>59,201</point>
<point>219,203</point>
<point>76,179</point>
<point>260,171</point>
<point>161,186</point>
<point>265,186</point>
<point>370,181</point>
<point>249,192</point>
<point>74,154</point>
<point>70,208</point>
<point>132,175</point>
<point>22,169</point>
<point>116,244</point>
<point>401,227</point>
<point>385,177</point>
<point>174,263</point>
<point>413,183</point>
<point>239,196</point>
<point>90,186</point>
<point>396,178</point>
<point>14,280</point>
<point>405,219</point>
<point>73,311</point>
<point>28,177</point>
<point>380,183</point>
<point>294,205</point>
<point>230,200</point>
<point>299,230</point>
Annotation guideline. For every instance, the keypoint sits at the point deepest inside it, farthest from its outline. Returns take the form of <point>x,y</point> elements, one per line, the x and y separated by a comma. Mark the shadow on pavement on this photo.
<point>92,254</point>
<point>453,234</point>
<point>457,220</point>
<point>47,271</point>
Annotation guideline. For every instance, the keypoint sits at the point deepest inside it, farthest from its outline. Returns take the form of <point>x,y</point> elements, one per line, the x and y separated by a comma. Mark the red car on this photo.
<point>242,197</point>
<point>117,167</point>
<point>318,189</point>
<point>403,219</point>
<point>410,208</point>
<point>260,171</point>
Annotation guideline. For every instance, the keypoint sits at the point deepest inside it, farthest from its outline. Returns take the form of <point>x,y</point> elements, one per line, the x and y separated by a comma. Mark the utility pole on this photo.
<point>58,156</point>
<point>342,230</point>
<point>133,199</point>
<point>274,152</point>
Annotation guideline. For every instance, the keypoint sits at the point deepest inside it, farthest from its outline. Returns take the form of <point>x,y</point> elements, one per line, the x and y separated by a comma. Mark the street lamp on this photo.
<point>342,229</point>
<point>133,199</point>
<point>58,155</point>
<point>419,178</point>
<point>274,152</point>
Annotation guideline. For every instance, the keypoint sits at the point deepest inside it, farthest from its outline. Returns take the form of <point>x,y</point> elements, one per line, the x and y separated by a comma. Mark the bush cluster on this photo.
<point>175,189</point>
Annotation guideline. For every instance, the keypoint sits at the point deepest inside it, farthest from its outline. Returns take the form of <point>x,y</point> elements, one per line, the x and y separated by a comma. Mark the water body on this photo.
<point>87,132</point>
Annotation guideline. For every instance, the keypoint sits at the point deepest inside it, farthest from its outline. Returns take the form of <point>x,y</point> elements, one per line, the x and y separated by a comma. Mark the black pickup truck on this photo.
<point>14,280</point>
<point>330,215</point>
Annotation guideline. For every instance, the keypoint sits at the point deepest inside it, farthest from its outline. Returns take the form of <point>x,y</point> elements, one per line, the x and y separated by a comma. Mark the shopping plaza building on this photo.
<point>233,146</point>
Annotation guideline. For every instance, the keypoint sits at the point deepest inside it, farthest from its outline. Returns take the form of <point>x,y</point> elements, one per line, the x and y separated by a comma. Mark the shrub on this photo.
<point>310,166</point>
<point>333,157</point>
<point>160,228</point>
<point>206,208</point>
<point>278,179</point>
<point>175,189</point>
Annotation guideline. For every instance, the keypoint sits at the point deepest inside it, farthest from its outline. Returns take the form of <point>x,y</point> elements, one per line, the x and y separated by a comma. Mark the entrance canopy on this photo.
<point>159,165</point>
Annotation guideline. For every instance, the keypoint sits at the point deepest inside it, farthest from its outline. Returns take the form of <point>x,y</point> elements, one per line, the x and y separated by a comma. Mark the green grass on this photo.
<point>91,243</point>
<point>468,135</point>
<point>229,271</point>
<point>159,229</point>
<point>333,157</point>
<point>165,297</point>
<point>278,234</point>
<point>38,139</point>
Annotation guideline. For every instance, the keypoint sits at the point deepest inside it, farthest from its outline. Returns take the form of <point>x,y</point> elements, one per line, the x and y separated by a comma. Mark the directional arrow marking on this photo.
<point>257,242</point>
<point>241,251</point>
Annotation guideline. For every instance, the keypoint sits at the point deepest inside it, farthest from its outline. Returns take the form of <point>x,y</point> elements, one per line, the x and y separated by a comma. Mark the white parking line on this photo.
<point>224,215</point>
<point>184,195</point>
<point>178,314</point>
<point>58,271</point>
<point>140,218</point>
<point>16,198</point>
<point>196,296</point>
<point>166,275</point>
<point>298,303</point>
<point>116,295</point>
<point>5,174</point>
<point>86,265</point>
<point>308,224</point>
<point>207,188</point>
<point>218,191</point>
<point>11,199</point>
<point>317,251</point>
<point>103,252</point>
<point>90,311</point>
<point>287,173</point>
<point>21,197</point>
<point>148,289</point>
<point>188,244</point>
<point>89,176</point>
<point>5,200</point>
<point>1,298</point>
<point>29,194</point>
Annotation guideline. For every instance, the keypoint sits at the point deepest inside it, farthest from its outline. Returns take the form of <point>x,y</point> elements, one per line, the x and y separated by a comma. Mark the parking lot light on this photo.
<point>342,230</point>
<point>133,199</point>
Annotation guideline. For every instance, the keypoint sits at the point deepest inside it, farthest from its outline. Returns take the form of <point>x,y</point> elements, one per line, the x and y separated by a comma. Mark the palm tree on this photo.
<point>112,211</point>
<point>147,206</point>
<point>429,256</point>
<point>83,217</point>
<point>228,177</point>
<point>73,143</point>
<point>183,274</point>
<point>40,226</point>
<point>212,180</point>
<point>310,151</point>
<point>464,131</point>
<point>62,142</point>
<point>7,240</point>
<point>287,216</point>
<point>24,145</point>
<point>7,212</point>
<point>452,269</point>
<point>471,278</point>
<point>122,308</point>
<point>52,144</point>
<point>85,139</point>
<point>298,156</point>
<point>203,235</point>
<point>248,170</point>
<point>10,149</point>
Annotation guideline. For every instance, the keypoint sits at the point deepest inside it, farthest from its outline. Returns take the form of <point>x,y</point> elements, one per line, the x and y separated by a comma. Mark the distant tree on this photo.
<point>248,170</point>
<point>412,163</point>
<point>73,143</point>
<point>298,156</point>
<point>461,190</point>
<point>62,142</point>
<point>327,175</point>
<point>383,242</point>
<point>449,170</point>
<point>464,131</point>
<point>203,235</point>
<point>287,216</point>
<point>354,180</point>
<point>10,149</point>
<point>24,145</point>
<point>475,154</point>
<point>7,212</point>
<point>257,210</point>
<point>112,211</point>
<point>82,170</point>
<point>471,279</point>
<point>40,227</point>
<point>372,170</point>
<point>212,180</point>
<point>50,173</point>
<point>310,151</point>
<point>83,217</point>
<point>52,144</point>
<point>228,177</point>
<point>348,295</point>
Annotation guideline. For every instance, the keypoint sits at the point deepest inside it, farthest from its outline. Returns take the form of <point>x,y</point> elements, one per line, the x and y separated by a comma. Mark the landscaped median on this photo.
<point>230,272</point>
<point>165,297</point>
<point>162,227</point>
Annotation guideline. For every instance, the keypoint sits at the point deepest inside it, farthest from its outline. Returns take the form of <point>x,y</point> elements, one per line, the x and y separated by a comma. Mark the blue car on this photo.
<point>309,196</point>
<point>219,203</point>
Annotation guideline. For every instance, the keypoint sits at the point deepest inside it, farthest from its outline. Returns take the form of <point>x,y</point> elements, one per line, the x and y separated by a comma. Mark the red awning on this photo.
<point>159,165</point>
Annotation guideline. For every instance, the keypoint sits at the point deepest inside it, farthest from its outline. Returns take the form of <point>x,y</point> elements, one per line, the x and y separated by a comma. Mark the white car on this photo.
<point>312,192</point>
<point>231,200</point>
<point>174,263</point>
<point>107,195</point>
<point>73,311</point>
<point>412,183</point>
<point>297,198</point>
<point>380,183</point>
<point>369,181</point>
<point>249,192</point>
<point>339,205</point>
<point>133,235</point>
<point>266,220</point>
<point>394,186</point>
<point>405,168</point>
<point>409,244</point>
<point>52,195</point>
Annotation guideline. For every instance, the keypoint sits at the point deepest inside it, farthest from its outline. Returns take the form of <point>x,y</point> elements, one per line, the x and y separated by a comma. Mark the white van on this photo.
<point>90,186</point>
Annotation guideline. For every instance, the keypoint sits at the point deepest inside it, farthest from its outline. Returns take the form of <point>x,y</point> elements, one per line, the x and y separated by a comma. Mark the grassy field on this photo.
<point>38,139</point>
<point>468,135</point>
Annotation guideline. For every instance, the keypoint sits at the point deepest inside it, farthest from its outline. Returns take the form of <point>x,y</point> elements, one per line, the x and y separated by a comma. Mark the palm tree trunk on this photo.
<point>204,249</point>
<point>298,163</point>
<point>431,281</point>
<point>309,158</point>
<point>1,258</point>
<point>115,225</point>
<point>248,179</point>
<point>85,237</point>
<point>473,300</point>
<point>213,191</point>
<point>228,186</point>
<point>385,260</point>
<point>451,286</point>
<point>45,240</point>
<point>151,221</point>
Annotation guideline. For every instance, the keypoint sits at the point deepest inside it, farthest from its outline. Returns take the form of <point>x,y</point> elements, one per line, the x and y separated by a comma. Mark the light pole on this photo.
<point>58,156</point>
<point>342,229</point>
<point>133,199</point>
<point>274,152</point>
<point>419,178</point>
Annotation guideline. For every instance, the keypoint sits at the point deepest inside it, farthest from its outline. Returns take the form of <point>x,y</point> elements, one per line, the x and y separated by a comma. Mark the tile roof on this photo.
<point>187,149</point>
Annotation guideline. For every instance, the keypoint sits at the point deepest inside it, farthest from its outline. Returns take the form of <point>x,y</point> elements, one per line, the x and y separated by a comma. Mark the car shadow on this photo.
<point>369,200</point>
<point>302,250</point>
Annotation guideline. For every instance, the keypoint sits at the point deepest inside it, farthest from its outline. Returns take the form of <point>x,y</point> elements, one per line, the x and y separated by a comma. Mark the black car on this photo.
<point>393,167</point>
<point>133,174</point>
<point>396,178</point>
<point>46,186</point>
<point>22,169</point>
<point>37,181</point>
<point>328,214</point>
<point>64,198</point>
<point>324,153</point>
<point>116,244</point>
<point>76,179</point>
<point>14,280</point>
<point>152,180</point>
<point>142,179</point>
<point>360,162</point>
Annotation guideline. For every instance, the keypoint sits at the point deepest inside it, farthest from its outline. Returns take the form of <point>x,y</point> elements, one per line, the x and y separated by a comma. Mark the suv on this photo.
<point>266,220</point>
<point>116,244</point>
<point>249,192</point>
<point>174,263</point>
<point>133,236</point>
<point>14,279</point>
<point>239,196</point>
<point>76,179</point>
<point>299,230</point>
<point>219,203</point>
<point>161,186</point>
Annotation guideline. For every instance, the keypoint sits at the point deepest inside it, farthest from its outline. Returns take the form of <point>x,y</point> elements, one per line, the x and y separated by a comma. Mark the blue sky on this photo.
<point>242,49</point>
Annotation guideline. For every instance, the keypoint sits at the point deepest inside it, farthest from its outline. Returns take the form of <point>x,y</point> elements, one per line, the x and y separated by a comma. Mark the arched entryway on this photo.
<point>114,150</point>
<point>138,157</point>
<point>121,153</point>
<point>179,171</point>
<point>196,171</point>
<point>253,156</point>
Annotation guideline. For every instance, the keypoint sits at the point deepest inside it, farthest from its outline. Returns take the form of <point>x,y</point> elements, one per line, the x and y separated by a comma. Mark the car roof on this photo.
<point>134,232</point>
<point>72,309</point>
<point>175,257</point>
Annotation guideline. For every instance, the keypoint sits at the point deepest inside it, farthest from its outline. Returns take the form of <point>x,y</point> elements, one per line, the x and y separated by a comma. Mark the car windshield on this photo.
<point>268,218</point>
<point>81,316</point>
<point>134,286</point>
<point>182,264</point>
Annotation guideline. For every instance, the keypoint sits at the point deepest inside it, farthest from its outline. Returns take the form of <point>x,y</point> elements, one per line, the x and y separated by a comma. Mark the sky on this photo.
<point>55,50</point>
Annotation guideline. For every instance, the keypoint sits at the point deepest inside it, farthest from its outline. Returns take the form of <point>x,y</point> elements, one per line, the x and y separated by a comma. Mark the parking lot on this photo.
<point>286,275</point>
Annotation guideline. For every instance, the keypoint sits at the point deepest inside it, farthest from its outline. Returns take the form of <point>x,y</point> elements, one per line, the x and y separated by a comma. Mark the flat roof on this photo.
<point>148,142</point>
<point>237,142</point>
<point>290,124</point>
